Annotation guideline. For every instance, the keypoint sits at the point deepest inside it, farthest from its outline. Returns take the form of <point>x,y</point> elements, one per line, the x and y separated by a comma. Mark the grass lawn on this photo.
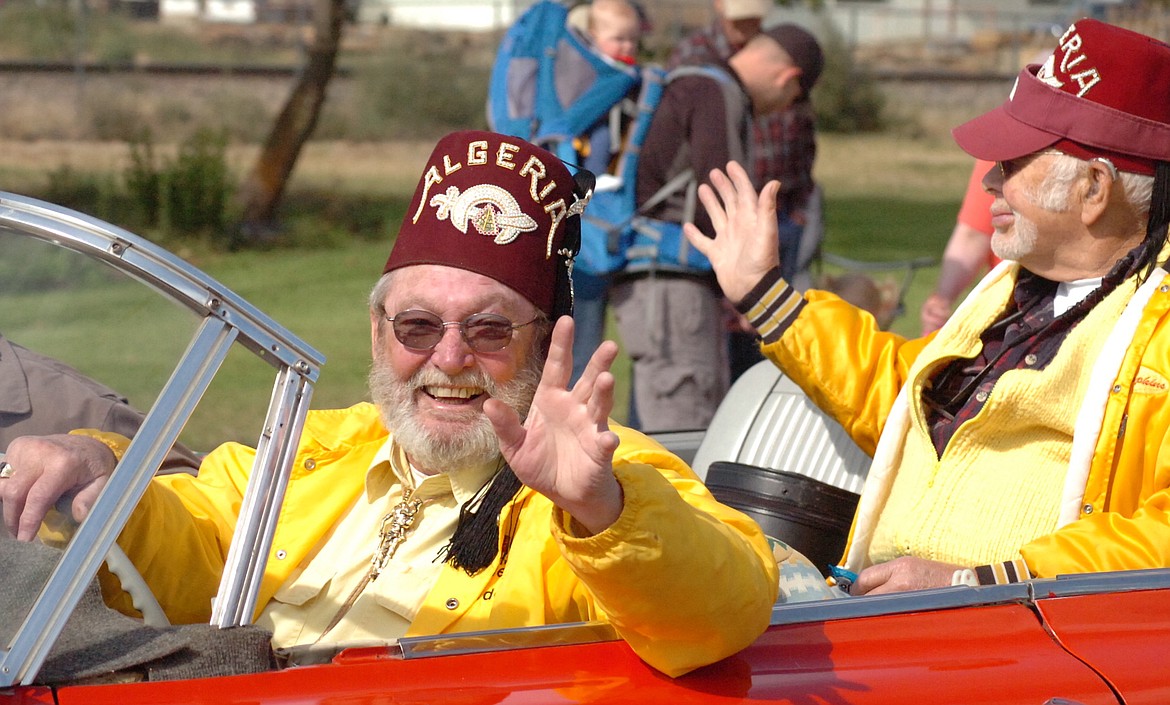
<point>886,199</point>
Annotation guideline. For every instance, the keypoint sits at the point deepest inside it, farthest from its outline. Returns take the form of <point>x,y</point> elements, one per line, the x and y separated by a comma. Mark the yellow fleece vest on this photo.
<point>999,482</point>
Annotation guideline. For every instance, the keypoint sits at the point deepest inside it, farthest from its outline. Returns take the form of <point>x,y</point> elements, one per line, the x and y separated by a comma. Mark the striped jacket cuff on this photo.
<point>771,306</point>
<point>1002,573</point>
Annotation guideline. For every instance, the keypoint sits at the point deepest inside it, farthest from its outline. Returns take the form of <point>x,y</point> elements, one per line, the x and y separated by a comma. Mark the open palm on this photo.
<point>746,242</point>
<point>564,449</point>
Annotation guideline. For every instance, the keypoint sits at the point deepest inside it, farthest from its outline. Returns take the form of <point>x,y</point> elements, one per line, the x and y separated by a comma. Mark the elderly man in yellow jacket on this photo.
<point>478,491</point>
<point>1027,437</point>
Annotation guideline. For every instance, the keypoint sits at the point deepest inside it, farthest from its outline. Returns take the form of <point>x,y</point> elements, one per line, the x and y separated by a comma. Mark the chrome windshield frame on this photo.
<point>227,319</point>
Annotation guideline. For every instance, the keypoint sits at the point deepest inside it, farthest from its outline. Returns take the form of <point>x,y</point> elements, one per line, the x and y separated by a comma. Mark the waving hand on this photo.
<point>746,242</point>
<point>564,449</point>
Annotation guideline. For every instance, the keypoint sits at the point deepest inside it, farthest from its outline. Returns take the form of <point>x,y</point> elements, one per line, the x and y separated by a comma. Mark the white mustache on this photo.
<point>430,377</point>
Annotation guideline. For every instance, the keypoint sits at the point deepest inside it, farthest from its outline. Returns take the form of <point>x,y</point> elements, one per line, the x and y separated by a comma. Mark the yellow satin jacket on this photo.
<point>684,579</point>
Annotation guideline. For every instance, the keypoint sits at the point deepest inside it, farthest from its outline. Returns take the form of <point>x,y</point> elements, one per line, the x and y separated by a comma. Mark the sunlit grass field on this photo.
<point>886,199</point>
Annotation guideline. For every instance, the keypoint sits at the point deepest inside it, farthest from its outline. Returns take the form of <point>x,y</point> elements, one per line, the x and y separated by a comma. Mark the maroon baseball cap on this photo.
<point>499,206</point>
<point>1104,92</point>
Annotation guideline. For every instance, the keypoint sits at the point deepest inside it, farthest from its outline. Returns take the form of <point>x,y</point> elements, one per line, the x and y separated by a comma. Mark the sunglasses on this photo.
<point>1011,167</point>
<point>483,332</point>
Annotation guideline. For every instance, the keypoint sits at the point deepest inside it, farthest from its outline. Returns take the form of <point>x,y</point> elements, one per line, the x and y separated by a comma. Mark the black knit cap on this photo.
<point>804,49</point>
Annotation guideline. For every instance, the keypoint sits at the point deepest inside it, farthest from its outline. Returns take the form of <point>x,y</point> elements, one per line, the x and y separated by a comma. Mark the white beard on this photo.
<point>1051,195</point>
<point>474,442</point>
<point>1020,243</point>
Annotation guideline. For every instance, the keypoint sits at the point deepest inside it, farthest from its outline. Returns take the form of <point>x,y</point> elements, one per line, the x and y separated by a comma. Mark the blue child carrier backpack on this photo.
<point>616,233</point>
<point>548,85</point>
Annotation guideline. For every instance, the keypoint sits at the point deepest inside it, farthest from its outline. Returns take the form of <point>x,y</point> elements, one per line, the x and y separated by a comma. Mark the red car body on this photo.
<point>1082,639</point>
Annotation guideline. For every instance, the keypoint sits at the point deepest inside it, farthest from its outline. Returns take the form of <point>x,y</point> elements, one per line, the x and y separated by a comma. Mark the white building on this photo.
<point>233,11</point>
<point>443,14</point>
<point>862,22</point>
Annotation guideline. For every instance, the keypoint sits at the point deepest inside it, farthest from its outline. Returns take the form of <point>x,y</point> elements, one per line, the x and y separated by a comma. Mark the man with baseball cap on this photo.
<point>783,147</point>
<point>672,318</point>
<point>478,491</point>
<point>1024,438</point>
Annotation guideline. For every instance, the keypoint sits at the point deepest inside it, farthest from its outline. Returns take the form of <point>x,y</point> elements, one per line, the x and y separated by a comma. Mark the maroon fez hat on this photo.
<point>1104,92</point>
<point>499,206</point>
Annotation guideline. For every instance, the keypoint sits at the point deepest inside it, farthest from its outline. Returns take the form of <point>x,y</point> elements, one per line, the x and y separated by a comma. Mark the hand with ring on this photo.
<point>50,467</point>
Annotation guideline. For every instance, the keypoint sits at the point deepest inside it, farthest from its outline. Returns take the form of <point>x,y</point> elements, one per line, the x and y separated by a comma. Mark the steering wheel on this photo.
<point>118,563</point>
<point>133,583</point>
<point>123,568</point>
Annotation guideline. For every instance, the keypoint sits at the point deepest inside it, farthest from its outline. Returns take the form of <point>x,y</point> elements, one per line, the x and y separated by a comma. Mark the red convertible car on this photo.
<point>1089,639</point>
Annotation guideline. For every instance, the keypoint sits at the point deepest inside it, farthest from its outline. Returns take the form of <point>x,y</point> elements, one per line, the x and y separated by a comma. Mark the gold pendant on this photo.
<point>395,526</point>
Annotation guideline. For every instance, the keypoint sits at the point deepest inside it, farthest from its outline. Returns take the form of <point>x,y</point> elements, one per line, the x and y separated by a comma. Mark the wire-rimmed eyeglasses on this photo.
<point>483,332</point>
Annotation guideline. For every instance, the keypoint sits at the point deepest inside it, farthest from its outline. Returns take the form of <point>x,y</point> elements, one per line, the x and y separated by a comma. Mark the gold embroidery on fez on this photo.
<point>535,171</point>
<point>559,212</point>
<point>491,210</point>
<point>1047,74</point>
<point>504,155</point>
<point>1072,45</point>
<point>430,178</point>
<point>477,152</point>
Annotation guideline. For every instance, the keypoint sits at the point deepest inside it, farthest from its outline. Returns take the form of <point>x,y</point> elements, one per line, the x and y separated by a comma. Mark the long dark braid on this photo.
<point>1159,219</point>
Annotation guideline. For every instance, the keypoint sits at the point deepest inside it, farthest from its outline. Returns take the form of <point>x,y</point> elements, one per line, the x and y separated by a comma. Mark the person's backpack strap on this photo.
<point>737,114</point>
<point>735,105</point>
<point>616,232</point>
<point>661,245</point>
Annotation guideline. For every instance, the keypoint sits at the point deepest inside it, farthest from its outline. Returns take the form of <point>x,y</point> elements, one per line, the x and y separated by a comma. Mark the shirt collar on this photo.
<point>1069,294</point>
<point>390,466</point>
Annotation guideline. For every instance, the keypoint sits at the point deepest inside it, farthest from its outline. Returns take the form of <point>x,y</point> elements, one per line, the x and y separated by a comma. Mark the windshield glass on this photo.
<point>81,345</point>
<point>133,349</point>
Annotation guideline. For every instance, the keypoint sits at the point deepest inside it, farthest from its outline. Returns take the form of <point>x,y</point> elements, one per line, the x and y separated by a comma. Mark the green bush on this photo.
<point>846,98</point>
<point>85,192</point>
<point>200,183</point>
<point>188,195</point>
<point>423,91</point>
<point>142,178</point>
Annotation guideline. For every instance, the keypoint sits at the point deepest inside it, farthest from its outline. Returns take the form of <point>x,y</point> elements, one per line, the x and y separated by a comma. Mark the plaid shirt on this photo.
<point>706,46</point>
<point>784,143</point>
<point>1027,335</point>
<point>784,147</point>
